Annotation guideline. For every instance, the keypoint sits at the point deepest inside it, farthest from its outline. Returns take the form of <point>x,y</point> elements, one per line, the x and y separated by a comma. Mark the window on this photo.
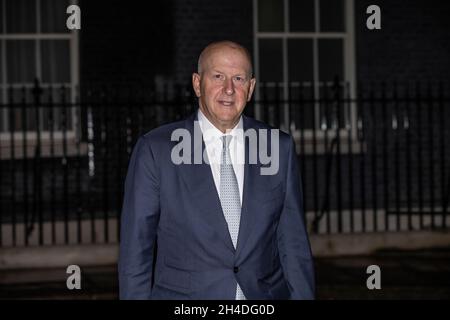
<point>36,44</point>
<point>300,48</point>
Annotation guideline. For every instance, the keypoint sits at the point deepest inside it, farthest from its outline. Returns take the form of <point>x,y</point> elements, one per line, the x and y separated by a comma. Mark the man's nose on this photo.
<point>229,86</point>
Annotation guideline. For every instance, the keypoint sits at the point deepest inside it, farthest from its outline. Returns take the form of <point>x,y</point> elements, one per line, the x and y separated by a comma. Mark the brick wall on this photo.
<point>413,44</point>
<point>199,22</point>
<point>125,42</point>
<point>135,43</point>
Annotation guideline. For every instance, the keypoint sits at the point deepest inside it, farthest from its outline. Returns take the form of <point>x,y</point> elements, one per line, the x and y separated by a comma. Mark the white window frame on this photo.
<point>31,136</point>
<point>349,63</point>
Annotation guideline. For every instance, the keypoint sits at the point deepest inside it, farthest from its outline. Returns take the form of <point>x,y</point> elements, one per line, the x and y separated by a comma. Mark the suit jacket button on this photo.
<point>236,269</point>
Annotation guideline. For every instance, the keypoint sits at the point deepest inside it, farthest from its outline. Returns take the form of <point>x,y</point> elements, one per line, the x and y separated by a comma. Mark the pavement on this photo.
<point>416,275</point>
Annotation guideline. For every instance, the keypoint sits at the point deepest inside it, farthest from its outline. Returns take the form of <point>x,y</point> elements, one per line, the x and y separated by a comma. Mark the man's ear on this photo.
<point>196,84</point>
<point>251,89</point>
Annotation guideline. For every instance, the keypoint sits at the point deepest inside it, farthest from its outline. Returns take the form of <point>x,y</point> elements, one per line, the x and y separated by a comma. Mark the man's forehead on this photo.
<point>225,52</point>
<point>227,57</point>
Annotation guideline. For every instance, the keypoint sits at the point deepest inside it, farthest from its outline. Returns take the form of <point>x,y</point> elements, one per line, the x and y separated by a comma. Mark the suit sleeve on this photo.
<point>139,221</point>
<point>293,243</point>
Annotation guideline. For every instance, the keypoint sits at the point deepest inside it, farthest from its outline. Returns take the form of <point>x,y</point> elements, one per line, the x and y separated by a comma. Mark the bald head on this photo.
<point>224,83</point>
<point>221,47</point>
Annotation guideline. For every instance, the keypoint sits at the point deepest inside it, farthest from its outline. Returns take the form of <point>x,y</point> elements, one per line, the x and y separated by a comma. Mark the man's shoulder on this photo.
<point>163,133</point>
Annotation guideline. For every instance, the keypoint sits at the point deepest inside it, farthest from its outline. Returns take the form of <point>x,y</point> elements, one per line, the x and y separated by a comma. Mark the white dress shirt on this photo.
<point>213,143</point>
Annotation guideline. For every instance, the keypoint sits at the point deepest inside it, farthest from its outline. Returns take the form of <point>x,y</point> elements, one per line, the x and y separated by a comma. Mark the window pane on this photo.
<point>28,120</point>
<point>271,102</point>
<point>2,18</point>
<point>53,117</point>
<point>20,61</point>
<point>55,61</point>
<point>332,105</point>
<point>1,61</point>
<point>330,59</point>
<point>270,60</point>
<point>300,58</point>
<point>332,15</point>
<point>270,15</point>
<point>20,16</point>
<point>22,119</point>
<point>3,113</point>
<point>302,105</point>
<point>301,15</point>
<point>53,15</point>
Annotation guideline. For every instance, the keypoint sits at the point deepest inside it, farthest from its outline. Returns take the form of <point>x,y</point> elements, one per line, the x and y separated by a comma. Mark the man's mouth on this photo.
<point>226,103</point>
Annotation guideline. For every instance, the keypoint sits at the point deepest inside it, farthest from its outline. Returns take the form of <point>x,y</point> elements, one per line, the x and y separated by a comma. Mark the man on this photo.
<point>223,229</point>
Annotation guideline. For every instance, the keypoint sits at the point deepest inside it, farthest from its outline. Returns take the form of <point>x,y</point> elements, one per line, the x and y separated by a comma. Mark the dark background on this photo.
<point>72,105</point>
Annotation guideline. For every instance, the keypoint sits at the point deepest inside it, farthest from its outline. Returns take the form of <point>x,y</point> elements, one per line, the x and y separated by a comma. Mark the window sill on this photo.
<point>322,145</point>
<point>72,148</point>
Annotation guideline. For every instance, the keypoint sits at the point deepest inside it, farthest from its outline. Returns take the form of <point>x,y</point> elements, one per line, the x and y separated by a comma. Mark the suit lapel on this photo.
<point>200,182</point>
<point>249,200</point>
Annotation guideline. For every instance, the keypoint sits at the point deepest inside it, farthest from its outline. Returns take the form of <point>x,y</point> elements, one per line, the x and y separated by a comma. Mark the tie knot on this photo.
<point>226,139</point>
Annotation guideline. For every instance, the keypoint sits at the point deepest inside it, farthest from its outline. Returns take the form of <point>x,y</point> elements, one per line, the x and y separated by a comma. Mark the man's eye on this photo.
<point>239,79</point>
<point>218,76</point>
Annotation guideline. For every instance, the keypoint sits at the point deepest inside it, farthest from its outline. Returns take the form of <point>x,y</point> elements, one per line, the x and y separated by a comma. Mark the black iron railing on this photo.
<point>372,159</point>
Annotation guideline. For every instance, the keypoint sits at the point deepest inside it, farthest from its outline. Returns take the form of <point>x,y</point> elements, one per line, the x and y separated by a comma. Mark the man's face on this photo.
<point>224,86</point>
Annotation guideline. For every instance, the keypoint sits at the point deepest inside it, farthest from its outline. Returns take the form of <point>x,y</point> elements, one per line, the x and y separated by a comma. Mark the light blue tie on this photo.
<point>230,198</point>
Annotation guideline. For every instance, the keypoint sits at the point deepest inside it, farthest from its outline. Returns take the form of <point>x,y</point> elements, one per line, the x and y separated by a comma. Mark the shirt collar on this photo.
<point>211,133</point>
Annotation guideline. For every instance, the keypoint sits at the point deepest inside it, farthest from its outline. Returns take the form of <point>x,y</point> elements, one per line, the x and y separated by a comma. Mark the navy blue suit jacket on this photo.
<point>177,207</point>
